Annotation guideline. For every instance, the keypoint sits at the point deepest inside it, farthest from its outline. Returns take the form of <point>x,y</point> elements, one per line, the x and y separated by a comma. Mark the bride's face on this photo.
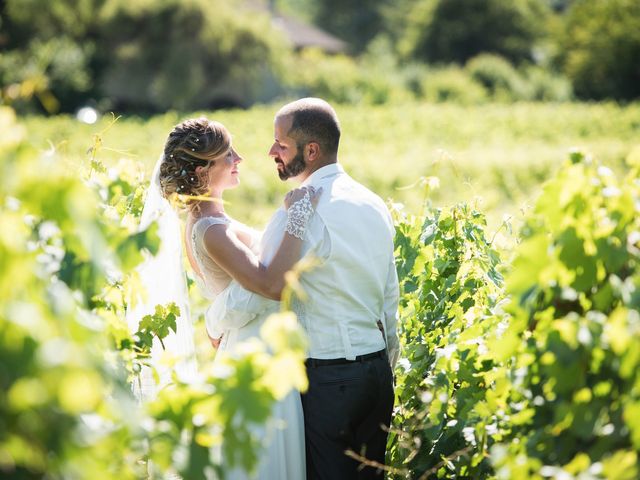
<point>224,173</point>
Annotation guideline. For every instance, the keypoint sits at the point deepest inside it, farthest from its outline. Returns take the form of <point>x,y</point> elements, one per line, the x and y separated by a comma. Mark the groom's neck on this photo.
<point>314,167</point>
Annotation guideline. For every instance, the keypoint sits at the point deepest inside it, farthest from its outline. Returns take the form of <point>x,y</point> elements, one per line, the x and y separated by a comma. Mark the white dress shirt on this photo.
<point>355,284</point>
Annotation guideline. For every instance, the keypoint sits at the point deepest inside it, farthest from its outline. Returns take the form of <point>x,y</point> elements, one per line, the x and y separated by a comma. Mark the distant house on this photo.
<point>301,35</point>
<point>304,35</point>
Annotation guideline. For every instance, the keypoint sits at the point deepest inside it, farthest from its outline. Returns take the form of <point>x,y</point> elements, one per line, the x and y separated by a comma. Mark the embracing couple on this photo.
<point>350,313</point>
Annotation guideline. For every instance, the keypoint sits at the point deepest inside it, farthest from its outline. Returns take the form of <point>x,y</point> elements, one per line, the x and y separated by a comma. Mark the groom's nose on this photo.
<point>272,151</point>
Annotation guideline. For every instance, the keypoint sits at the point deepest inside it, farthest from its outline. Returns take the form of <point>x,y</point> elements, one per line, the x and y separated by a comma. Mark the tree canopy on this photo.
<point>150,56</point>
<point>600,48</point>
<point>457,30</point>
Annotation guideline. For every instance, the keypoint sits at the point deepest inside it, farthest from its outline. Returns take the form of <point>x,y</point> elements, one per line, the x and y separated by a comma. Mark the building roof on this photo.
<point>300,33</point>
<point>303,35</point>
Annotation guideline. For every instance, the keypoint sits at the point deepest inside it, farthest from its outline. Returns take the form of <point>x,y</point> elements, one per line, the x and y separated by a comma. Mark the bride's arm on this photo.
<point>232,255</point>
<point>249,236</point>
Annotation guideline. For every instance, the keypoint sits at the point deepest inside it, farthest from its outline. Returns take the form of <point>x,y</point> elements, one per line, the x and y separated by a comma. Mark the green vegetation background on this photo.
<point>499,153</point>
<point>152,56</point>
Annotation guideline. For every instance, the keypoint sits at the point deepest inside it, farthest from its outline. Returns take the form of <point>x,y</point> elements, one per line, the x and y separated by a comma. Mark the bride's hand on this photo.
<point>298,194</point>
<point>215,342</point>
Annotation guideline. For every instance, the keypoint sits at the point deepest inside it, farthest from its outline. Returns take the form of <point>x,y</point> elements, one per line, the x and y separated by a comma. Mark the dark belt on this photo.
<point>321,362</point>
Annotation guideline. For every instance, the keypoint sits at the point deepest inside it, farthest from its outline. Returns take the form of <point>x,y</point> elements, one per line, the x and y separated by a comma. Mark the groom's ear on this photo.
<point>313,151</point>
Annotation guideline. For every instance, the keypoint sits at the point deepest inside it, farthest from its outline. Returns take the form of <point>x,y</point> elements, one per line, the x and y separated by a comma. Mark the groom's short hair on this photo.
<point>313,120</point>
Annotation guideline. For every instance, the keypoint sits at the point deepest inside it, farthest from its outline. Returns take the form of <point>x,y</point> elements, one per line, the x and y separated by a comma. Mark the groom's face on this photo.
<point>289,157</point>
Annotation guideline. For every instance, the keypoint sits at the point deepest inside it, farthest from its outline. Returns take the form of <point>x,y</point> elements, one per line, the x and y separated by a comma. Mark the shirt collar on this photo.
<point>323,172</point>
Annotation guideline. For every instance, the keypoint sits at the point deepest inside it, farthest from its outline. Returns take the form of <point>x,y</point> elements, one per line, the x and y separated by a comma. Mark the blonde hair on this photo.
<point>197,142</point>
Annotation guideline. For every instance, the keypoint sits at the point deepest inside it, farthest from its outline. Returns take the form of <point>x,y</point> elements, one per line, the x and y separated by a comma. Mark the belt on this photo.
<point>321,362</point>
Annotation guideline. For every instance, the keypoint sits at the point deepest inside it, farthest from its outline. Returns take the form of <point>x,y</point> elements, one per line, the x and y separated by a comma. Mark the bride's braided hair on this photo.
<point>193,143</point>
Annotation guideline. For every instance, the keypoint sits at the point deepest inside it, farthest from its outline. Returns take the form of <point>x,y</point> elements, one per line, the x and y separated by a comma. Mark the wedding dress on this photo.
<point>283,454</point>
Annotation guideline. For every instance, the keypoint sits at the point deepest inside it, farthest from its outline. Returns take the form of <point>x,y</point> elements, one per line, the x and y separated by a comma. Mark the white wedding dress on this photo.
<point>283,454</point>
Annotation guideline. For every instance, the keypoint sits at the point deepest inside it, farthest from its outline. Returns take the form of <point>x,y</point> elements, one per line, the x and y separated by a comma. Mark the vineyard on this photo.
<point>519,334</point>
<point>499,152</point>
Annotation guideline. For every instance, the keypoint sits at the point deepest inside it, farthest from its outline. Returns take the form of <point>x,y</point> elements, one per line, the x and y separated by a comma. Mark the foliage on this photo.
<point>157,325</point>
<point>182,54</point>
<point>575,285</point>
<point>355,21</point>
<point>68,248</point>
<point>453,85</point>
<point>148,56</point>
<point>341,79</point>
<point>143,56</point>
<point>376,77</point>
<point>538,379</point>
<point>600,48</point>
<point>546,86</point>
<point>47,50</point>
<point>534,377</point>
<point>506,83</point>
<point>46,20</point>
<point>450,406</point>
<point>498,76</point>
<point>62,393</point>
<point>447,31</point>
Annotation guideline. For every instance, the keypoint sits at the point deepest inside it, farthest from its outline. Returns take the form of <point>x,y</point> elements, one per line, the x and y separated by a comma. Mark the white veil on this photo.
<point>163,278</point>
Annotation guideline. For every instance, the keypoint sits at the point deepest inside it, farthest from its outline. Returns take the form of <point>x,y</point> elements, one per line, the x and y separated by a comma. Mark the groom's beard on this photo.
<point>296,167</point>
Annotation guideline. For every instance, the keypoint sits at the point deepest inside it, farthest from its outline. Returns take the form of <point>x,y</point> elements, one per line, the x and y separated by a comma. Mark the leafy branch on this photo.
<point>156,325</point>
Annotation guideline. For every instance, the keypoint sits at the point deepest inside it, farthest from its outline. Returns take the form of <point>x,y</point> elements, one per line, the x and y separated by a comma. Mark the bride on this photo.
<point>199,163</point>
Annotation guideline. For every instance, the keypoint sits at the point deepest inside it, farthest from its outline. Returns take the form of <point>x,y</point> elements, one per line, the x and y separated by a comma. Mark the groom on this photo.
<point>350,313</point>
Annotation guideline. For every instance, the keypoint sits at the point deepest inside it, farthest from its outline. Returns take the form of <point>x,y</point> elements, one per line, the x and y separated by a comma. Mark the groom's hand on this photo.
<point>215,342</point>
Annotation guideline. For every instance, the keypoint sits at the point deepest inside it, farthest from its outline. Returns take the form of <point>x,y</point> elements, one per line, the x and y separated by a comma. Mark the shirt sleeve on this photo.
<point>234,308</point>
<point>390,308</point>
<point>317,241</point>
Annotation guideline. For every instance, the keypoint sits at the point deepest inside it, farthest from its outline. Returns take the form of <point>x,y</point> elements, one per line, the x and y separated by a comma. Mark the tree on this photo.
<point>147,55</point>
<point>183,54</point>
<point>600,48</point>
<point>355,21</point>
<point>457,30</point>
<point>46,52</point>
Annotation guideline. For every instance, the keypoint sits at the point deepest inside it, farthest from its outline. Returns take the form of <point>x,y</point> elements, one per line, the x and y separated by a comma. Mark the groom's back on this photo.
<point>346,292</point>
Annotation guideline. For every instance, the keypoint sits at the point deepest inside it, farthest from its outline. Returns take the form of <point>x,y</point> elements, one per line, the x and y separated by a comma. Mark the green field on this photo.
<point>498,152</point>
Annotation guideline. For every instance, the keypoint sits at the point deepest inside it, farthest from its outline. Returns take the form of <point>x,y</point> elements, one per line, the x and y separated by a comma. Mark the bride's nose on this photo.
<point>237,158</point>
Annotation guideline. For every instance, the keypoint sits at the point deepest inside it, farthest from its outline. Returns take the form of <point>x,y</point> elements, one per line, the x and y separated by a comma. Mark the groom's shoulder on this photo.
<point>345,189</point>
<point>363,191</point>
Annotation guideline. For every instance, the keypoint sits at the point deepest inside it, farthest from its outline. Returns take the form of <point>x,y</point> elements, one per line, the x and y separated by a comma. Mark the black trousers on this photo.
<point>345,408</point>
